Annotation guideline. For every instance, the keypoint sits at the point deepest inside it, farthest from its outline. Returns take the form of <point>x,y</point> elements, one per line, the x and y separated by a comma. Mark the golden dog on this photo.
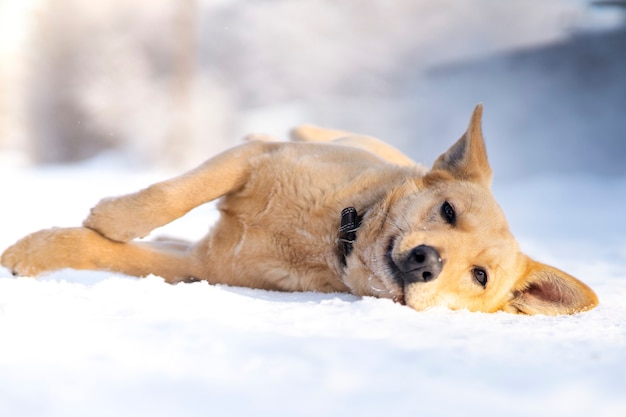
<point>351,214</point>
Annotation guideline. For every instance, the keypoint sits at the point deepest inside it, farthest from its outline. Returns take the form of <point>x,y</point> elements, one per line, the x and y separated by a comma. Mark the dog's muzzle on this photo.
<point>421,264</point>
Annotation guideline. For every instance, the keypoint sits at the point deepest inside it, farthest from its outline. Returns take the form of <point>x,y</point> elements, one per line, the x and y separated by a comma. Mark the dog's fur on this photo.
<point>427,237</point>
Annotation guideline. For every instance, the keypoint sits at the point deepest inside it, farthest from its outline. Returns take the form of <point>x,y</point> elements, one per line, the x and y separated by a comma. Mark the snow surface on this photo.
<point>100,344</point>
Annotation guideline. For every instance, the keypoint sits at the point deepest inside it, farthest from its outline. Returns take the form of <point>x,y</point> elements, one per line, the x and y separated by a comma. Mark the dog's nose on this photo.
<point>423,264</point>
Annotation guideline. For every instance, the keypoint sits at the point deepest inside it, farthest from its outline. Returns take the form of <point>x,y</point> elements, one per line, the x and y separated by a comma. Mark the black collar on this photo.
<point>350,223</point>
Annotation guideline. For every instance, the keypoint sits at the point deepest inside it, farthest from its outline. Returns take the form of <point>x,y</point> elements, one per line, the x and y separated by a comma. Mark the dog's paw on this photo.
<point>120,219</point>
<point>43,251</point>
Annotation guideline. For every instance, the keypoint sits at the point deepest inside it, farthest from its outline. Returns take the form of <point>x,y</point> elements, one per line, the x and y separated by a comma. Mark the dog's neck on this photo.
<point>350,223</point>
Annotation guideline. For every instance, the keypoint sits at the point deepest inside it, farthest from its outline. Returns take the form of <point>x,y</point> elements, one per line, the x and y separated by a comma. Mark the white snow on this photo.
<point>100,344</point>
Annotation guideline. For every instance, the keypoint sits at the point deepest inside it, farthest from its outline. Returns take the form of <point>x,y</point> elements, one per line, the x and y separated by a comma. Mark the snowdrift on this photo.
<point>99,344</point>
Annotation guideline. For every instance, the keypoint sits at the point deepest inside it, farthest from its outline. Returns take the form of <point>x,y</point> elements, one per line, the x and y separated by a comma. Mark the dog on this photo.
<point>328,211</point>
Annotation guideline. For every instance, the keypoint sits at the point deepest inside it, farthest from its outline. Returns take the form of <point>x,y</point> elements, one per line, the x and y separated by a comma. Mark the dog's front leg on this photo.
<point>136,215</point>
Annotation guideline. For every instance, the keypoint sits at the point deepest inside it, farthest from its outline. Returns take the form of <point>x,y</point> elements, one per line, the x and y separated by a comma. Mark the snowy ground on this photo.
<point>100,344</point>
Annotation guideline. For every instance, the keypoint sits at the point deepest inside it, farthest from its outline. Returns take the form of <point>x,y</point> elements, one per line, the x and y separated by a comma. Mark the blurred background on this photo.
<point>168,83</point>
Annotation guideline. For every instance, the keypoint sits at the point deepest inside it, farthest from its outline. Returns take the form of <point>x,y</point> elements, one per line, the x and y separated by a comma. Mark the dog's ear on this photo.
<point>467,158</point>
<point>548,290</point>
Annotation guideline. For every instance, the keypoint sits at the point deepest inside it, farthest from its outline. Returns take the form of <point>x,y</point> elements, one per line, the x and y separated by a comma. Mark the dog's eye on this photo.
<point>448,214</point>
<point>480,275</point>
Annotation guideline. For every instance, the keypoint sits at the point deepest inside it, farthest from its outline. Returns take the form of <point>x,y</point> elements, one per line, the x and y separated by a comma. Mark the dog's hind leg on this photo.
<point>135,215</point>
<point>376,146</point>
<point>83,249</point>
<point>309,133</point>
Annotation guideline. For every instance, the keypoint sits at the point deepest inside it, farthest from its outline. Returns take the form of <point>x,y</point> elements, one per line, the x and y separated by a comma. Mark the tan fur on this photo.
<point>280,213</point>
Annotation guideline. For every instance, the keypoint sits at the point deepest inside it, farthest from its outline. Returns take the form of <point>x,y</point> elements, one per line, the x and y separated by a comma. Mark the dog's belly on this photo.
<point>251,254</point>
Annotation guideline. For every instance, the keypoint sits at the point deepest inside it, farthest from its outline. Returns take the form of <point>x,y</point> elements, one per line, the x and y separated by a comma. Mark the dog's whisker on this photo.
<point>374,288</point>
<point>377,268</point>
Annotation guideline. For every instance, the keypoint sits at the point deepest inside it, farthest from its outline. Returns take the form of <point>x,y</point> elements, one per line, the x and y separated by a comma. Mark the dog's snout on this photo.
<point>422,264</point>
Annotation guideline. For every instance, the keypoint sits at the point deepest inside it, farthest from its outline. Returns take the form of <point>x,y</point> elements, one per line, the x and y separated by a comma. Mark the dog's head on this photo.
<point>442,240</point>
